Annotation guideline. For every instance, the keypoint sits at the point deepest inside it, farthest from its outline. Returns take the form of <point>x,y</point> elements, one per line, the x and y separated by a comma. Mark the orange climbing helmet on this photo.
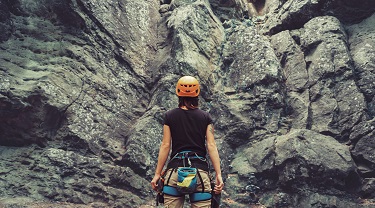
<point>187,86</point>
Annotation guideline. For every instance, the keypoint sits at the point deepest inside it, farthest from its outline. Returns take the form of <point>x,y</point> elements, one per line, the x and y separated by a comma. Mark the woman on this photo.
<point>190,133</point>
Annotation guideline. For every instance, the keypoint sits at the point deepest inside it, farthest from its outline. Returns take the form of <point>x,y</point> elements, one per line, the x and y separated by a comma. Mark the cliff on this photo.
<point>84,85</point>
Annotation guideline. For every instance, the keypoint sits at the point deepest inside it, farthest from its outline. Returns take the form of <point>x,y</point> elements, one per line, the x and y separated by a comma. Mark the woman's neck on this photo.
<point>184,108</point>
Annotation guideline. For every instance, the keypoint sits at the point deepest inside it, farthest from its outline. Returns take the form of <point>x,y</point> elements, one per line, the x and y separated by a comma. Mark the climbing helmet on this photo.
<point>187,86</point>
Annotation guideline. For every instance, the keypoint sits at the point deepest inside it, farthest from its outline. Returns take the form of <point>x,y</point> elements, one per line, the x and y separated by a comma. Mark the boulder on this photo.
<point>300,161</point>
<point>362,47</point>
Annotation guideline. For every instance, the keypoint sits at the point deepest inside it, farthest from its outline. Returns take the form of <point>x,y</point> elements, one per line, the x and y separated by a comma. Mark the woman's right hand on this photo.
<point>154,182</point>
<point>219,185</point>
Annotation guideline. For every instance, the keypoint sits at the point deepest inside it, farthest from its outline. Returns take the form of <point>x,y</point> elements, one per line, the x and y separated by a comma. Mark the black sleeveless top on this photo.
<point>188,130</point>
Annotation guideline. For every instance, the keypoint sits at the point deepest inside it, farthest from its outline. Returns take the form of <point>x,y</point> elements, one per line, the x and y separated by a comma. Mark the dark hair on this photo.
<point>189,102</point>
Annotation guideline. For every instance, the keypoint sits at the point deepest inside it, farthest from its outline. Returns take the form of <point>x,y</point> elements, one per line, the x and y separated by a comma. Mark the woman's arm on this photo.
<point>163,155</point>
<point>215,159</point>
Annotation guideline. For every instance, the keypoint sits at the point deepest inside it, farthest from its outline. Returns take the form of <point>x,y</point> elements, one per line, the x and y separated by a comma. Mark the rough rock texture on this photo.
<point>84,85</point>
<point>293,161</point>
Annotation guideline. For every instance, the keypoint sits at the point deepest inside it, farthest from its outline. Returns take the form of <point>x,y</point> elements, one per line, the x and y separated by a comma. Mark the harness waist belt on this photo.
<point>196,163</point>
<point>200,196</point>
<point>194,197</point>
<point>170,190</point>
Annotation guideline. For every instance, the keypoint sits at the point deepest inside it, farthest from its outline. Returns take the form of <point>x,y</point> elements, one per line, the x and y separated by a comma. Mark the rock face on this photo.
<point>84,85</point>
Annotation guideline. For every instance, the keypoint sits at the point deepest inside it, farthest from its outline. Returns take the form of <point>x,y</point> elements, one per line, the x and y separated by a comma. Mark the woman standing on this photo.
<point>190,133</point>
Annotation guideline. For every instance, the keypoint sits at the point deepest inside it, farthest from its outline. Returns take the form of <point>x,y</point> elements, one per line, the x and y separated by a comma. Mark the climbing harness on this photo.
<point>187,178</point>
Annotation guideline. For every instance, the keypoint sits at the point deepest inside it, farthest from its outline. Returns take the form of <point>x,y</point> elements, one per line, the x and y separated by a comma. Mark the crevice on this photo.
<point>76,144</point>
<point>259,6</point>
<point>365,167</point>
<point>309,120</point>
<point>64,109</point>
<point>328,133</point>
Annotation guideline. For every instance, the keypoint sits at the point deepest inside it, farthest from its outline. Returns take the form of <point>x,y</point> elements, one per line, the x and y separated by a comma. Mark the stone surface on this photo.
<point>84,85</point>
<point>289,15</point>
<point>362,48</point>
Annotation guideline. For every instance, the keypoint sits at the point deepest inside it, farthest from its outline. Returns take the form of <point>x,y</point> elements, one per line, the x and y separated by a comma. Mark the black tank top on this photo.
<point>188,130</point>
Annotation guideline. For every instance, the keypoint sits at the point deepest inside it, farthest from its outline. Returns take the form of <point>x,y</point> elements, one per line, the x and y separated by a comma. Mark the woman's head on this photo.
<point>187,86</point>
<point>187,90</point>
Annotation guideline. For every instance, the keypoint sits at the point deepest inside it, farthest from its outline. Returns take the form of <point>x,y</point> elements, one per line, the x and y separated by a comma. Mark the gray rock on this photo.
<point>247,86</point>
<point>5,23</point>
<point>361,44</point>
<point>363,146</point>
<point>289,15</point>
<point>318,74</point>
<point>301,160</point>
<point>84,86</point>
